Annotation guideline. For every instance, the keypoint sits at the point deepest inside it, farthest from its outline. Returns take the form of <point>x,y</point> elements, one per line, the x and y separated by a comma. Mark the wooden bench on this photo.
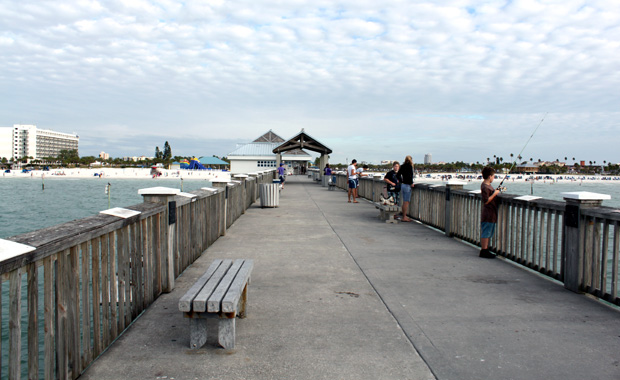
<point>387,212</point>
<point>221,292</point>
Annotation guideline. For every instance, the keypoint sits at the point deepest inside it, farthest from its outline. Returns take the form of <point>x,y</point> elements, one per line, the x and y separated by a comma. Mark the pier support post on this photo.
<point>223,184</point>
<point>452,185</point>
<point>165,196</point>
<point>573,247</point>
<point>243,178</point>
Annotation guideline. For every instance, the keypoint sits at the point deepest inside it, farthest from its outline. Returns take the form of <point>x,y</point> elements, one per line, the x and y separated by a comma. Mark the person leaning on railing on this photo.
<point>405,173</point>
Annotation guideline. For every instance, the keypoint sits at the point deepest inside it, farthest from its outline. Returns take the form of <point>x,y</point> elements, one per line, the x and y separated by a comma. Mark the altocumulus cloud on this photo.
<point>463,80</point>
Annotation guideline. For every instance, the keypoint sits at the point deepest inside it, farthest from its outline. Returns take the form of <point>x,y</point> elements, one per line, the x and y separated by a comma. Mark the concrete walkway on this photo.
<point>337,294</point>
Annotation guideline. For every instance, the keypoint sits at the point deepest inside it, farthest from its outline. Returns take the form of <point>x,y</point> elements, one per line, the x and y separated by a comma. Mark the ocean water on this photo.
<point>25,207</point>
<point>553,190</point>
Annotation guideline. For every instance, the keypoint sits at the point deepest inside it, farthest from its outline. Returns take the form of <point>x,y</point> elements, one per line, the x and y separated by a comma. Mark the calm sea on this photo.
<point>26,207</point>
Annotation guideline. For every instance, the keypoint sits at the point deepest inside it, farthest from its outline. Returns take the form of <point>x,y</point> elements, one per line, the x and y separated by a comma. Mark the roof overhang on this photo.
<point>302,141</point>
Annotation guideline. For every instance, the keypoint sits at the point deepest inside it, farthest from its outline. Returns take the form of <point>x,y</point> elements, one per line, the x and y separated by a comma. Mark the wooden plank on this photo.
<point>614,264</point>
<point>48,324</point>
<point>159,233</point>
<point>33,321</point>
<point>215,300</point>
<point>604,256</point>
<point>15,306</point>
<point>96,296</point>
<point>200,301</point>
<point>105,291</point>
<point>231,299</point>
<point>87,349</point>
<point>135,267</point>
<point>119,296</point>
<point>73,327</point>
<point>61,316</point>
<point>185,303</point>
<point>113,296</point>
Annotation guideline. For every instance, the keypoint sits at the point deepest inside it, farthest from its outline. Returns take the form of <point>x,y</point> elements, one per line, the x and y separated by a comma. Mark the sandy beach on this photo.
<point>120,173</point>
<point>140,173</point>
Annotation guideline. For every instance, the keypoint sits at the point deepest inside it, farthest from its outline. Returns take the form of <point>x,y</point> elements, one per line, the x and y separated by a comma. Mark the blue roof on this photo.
<point>212,161</point>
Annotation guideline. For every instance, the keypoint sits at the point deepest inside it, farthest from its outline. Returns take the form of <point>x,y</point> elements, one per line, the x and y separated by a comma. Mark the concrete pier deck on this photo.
<point>338,294</point>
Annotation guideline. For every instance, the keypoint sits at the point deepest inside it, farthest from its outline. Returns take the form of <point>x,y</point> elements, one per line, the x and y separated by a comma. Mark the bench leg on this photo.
<point>226,332</point>
<point>390,218</point>
<point>197,333</point>
<point>243,302</point>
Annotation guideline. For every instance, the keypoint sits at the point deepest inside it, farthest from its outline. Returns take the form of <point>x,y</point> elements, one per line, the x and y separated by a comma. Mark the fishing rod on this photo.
<point>519,155</point>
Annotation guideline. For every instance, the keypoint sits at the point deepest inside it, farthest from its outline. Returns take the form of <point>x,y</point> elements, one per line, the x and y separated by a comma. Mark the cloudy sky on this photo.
<point>373,80</point>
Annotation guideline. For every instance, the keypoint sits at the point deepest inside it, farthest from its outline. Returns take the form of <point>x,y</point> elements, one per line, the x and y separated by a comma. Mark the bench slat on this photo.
<point>185,303</point>
<point>200,302</point>
<point>213,304</point>
<point>230,301</point>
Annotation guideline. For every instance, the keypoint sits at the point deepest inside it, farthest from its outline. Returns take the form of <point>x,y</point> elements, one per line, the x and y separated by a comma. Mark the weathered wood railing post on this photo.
<point>242,178</point>
<point>573,247</point>
<point>256,177</point>
<point>165,196</point>
<point>451,185</point>
<point>222,184</point>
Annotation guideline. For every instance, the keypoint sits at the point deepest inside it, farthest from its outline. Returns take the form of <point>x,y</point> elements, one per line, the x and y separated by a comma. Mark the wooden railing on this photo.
<point>581,249</point>
<point>82,283</point>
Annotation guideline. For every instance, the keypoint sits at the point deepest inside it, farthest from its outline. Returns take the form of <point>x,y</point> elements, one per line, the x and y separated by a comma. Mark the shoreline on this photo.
<point>119,173</point>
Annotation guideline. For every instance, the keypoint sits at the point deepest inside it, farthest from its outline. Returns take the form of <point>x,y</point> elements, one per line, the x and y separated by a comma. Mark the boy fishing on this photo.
<point>488,217</point>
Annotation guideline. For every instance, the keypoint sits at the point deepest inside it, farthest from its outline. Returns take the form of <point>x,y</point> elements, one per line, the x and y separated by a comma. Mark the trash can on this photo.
<point>269,194</point>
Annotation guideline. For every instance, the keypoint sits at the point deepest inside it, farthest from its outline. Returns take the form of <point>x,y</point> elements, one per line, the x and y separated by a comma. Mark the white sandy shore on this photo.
<point>547,178</point>
<point>127,173</point>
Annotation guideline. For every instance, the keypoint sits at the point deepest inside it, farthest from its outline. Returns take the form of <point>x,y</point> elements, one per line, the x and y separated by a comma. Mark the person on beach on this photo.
<point>393,183</point>
<point>281,172</point>
<point>488,217</point>
<point>405,173</point>
<point>352,174</point>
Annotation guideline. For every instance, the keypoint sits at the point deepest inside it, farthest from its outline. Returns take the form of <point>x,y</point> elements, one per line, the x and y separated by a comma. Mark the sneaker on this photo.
<point>486,254</point>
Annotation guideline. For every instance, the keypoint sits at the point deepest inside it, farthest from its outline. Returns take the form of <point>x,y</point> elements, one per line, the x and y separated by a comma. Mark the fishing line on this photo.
<point>519,155</point>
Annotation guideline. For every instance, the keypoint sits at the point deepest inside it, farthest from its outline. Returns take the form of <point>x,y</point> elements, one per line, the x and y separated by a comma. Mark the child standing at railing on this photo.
<point>488,218</point>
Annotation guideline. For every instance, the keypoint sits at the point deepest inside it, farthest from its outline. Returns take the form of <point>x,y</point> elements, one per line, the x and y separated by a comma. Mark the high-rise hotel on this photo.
<point>29,141</point>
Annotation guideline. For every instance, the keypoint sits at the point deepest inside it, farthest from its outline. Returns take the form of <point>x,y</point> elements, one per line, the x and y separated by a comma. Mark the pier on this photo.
<point>335,293</point>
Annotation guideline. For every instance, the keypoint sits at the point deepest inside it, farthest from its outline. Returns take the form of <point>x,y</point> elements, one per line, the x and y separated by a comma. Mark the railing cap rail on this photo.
<point>160,190</point>
<point>585,196</point>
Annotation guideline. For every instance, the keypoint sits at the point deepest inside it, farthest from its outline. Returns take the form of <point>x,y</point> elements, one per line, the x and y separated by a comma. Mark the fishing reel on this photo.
<point>501,189</point>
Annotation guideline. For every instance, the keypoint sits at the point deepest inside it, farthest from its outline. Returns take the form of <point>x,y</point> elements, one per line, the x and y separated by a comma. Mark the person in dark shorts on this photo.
<point>488,217</point>
<point>281,171</point>
<point>352,175</point>
<point>393,182</point>
<point>405,173</point>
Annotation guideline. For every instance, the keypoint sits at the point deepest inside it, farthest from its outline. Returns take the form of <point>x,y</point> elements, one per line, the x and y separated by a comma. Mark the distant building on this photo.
<point>29,141</point>
<point>528,167</point>
<point>428,159</point>
<point>104,156</point>
<point>137,159</point>
<point>387,162</point>
<point>258,155</point>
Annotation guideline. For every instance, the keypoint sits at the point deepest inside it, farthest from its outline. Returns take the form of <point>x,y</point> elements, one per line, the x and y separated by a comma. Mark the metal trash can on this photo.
<point>269,194</point>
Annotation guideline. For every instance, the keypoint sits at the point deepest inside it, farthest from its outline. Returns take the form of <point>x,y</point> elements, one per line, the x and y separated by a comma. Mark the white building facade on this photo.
<point>29,141</point>
<point>258,156</point>
<point>428,159</point>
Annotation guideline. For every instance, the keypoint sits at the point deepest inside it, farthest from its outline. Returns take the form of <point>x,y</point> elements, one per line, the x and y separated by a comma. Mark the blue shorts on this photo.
<point>352,184</point>
<point>487,230</point>
<point>405,192</point>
